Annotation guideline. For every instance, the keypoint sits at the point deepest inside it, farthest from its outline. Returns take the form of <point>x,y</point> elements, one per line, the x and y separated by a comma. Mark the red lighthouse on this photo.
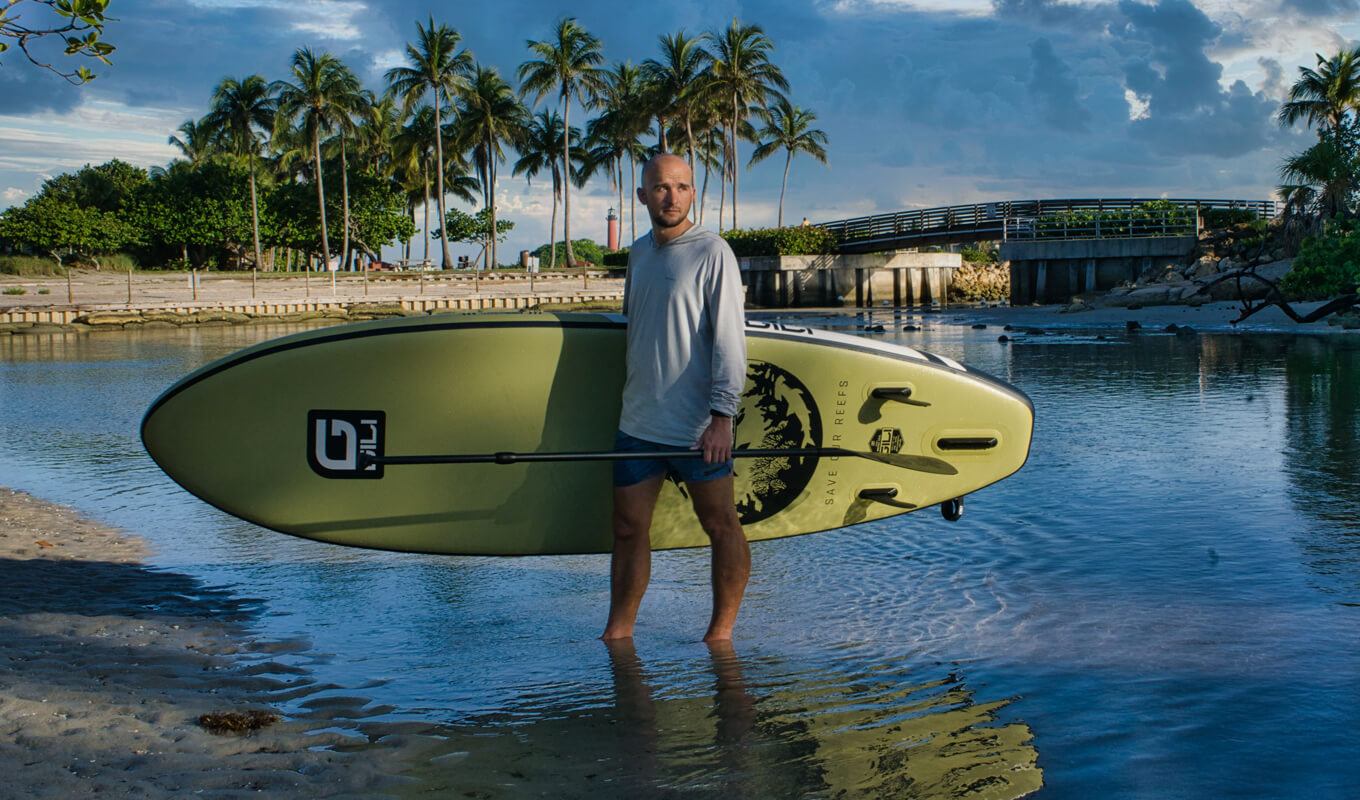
<point>612,237</point>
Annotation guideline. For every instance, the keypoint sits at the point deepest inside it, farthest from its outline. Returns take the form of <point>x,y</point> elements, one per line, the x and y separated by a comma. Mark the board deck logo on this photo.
<point>887,441</point>
<point>777,411</point>
<point>338,441</point>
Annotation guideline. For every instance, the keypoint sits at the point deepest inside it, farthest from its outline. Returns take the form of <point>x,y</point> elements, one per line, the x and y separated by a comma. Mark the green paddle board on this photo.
<point>300,434</point>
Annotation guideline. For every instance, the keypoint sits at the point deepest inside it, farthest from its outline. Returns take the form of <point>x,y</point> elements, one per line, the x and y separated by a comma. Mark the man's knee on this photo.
<point>632,523</point>
<point>722,525</point>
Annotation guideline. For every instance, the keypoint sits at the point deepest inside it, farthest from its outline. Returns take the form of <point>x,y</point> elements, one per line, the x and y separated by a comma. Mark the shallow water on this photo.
<point>1164,602</point>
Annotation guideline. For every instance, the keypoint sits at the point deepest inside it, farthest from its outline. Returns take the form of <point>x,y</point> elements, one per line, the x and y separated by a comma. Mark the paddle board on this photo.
<point>285,433</point>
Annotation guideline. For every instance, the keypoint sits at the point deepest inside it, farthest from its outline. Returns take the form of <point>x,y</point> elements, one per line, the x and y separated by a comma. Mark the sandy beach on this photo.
<point>106,666</point>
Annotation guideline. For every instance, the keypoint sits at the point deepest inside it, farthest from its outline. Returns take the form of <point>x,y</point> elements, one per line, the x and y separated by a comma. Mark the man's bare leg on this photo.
<point>716,507</point>
<point>630,567</point>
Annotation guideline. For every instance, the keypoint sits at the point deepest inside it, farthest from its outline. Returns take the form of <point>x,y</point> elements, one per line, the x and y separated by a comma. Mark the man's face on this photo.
<point>667,192</point>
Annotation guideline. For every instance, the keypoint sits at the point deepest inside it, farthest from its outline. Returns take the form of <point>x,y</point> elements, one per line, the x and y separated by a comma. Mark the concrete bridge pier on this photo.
<point>1052,271</point>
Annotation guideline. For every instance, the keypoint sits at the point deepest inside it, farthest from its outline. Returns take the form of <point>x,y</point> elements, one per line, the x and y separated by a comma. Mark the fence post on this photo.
<point>68,286</point>
<point>129,285</point>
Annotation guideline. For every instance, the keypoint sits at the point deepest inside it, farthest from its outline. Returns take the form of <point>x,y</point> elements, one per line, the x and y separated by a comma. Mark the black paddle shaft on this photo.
<point>918,463</point>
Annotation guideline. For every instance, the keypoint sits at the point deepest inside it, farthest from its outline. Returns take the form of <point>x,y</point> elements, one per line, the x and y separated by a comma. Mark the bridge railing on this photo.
<point>1004,219</point>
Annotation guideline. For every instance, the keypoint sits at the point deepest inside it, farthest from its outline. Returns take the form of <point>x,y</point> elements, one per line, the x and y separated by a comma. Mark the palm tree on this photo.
<point>353,104</point>
<point>1323,97</point>
<point>196,142</point>
<point>567,62</point>
<point>241,111</point>
<point>789,128</point>
<point>542,149</point>
<point>679,78</point>
<point>317,97</point>
<point>438,66</point>
<point>615,133</point>
<point>412,153</point>
<point>743,76</point>
<point>1324,176</point>
<point>489,114</point>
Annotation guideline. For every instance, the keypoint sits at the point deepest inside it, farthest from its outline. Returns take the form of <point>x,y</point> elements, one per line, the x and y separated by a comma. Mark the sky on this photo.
<point>924,102</point>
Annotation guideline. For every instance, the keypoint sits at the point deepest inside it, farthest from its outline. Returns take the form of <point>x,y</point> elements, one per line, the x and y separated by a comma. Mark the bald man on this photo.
<point>686,372</point>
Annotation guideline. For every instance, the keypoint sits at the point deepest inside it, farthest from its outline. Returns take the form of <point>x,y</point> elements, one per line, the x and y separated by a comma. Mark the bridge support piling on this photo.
<point>1041,279</point>
<point>1090,283</point>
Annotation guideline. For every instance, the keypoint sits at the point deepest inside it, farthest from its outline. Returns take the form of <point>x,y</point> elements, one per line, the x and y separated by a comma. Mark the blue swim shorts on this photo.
<point>636,470</point>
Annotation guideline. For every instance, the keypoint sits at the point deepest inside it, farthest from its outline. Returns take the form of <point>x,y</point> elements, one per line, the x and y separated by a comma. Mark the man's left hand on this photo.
<point>716,441</point>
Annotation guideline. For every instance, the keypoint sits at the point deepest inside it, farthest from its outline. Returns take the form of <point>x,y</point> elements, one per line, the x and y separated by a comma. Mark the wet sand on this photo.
<point>106,666</point>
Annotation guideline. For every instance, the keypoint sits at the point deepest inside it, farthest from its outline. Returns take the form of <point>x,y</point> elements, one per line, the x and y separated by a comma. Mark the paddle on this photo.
<point>929,464</point>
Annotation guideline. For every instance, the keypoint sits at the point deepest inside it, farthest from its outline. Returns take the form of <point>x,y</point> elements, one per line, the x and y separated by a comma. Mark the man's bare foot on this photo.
<point>722,635</point>
<point>614,634</point>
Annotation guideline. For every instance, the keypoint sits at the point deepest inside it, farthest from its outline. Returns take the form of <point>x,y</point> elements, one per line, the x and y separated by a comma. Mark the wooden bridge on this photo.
<point>1019,219</point>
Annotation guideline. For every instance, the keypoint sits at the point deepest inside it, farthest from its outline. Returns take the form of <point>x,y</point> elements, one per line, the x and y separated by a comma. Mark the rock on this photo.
<point>1172,328</point>
<point>1078,305</point>
<point>911,328</point>
<point>1186,330</point>
<point>230,317</point>
<point>1003,338</point>
<point>1171,276</point>
<point>1227,265</point>
<point>119,318</point>
<point>1132,326</point>
<point>1204,268</point>
<point>168,317</point>
<point>978,327</point>
<point>1349,321</point>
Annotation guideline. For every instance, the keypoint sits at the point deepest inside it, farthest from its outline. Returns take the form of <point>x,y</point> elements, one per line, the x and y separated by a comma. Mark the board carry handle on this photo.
<point>930,464</point>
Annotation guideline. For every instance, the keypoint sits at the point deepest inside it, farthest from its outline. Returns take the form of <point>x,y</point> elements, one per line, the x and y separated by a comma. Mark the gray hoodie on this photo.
<point>686,337</point>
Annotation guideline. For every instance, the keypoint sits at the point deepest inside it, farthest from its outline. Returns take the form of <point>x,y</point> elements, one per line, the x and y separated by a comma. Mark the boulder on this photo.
<point>103,318</point>
<point>1204,267</point>
<point>232,317</point>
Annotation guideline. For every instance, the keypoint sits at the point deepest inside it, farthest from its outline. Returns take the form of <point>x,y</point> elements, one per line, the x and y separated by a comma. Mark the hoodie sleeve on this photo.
<point>727,302</point>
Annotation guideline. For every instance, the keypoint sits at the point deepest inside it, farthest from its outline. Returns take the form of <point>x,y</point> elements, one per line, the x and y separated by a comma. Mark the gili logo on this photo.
<point>338,443</point>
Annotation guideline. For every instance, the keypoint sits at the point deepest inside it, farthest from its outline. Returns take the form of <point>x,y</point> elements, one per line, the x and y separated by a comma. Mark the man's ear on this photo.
<point>642,196</point>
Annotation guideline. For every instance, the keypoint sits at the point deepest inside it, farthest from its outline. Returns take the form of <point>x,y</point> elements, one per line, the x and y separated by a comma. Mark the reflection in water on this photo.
<point>873,734</point>
<point>1322,456</point>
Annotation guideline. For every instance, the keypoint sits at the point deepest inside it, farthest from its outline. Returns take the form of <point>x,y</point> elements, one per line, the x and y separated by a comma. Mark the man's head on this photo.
<point>668,193</point>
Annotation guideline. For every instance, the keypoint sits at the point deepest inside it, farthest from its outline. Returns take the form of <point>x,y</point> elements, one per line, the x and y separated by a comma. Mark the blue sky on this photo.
<point>925,103</point>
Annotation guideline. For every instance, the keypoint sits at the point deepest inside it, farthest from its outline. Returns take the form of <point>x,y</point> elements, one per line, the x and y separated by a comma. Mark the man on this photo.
<point>686,373</point>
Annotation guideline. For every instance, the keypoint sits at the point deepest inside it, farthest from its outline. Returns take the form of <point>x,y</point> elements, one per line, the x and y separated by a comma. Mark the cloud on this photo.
<point>1323,8</point>
<point>1055,90</point>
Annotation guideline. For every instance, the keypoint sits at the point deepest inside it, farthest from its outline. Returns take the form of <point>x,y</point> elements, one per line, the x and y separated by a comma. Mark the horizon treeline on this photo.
<point>314,165</point>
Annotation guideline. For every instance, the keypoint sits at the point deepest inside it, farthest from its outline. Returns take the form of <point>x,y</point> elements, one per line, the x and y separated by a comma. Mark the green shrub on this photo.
<point>982,257</point>
<point>29,265</point>
<point>797,240</point>
<point>618,258</point>
<point>1227,217</point>
<point>1326,266</point>
<point>583,249</point>
<point>1148,219</point>
<point>44,291</point>
<point>16,290</point>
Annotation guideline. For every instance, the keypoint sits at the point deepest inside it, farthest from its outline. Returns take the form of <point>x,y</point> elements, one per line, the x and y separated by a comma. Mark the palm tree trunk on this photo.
<point>321,196</point>
<point>491,193</point>
<point>618,174</point>
<point>552,228</point>
<point>632,202</point>
<point>703,193</point>
<point>439,182</point>
<point>566,179</point>
<point>255,214</point>
<point>661,137</point>
<point>735,122</point>
<point>344,203</point>
<point>689,143</point>
<point>788,157</point>
<point>722,195</point>
<point>425,170</point>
